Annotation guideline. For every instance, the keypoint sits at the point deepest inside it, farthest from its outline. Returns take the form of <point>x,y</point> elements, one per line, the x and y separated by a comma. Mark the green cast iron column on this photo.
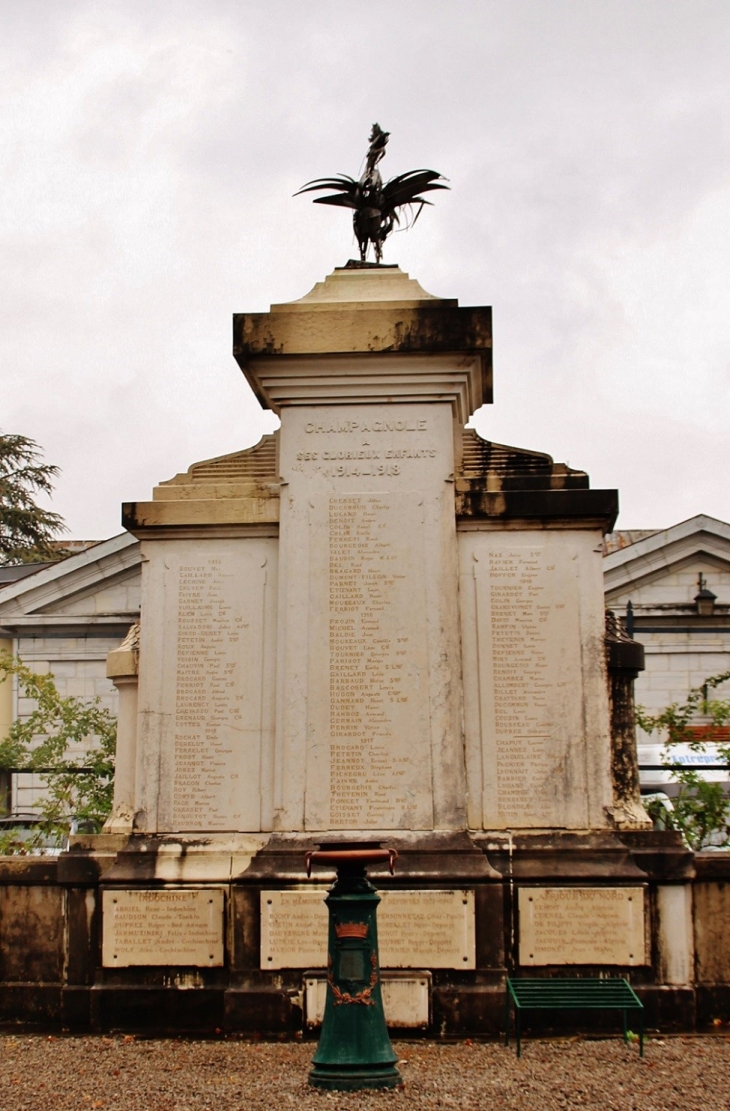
<point>354,1049</point>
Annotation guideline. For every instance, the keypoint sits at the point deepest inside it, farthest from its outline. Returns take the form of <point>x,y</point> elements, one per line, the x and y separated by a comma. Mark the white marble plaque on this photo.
<point>416,929</point>
<point>582,925</point>
<point>406,999</point>
<point>372,671</point>
<point>369,701</point>
<point>534,677</point>
<point>179,927</point>
<point>528,621</point>
<point>206,706</point>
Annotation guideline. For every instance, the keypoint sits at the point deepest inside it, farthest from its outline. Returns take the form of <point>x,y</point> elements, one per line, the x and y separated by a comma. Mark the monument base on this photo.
<point>225,897</point>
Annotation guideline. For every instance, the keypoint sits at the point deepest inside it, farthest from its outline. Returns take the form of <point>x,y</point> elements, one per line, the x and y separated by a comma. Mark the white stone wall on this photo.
<point>674,664</point>
<point>120,597</point>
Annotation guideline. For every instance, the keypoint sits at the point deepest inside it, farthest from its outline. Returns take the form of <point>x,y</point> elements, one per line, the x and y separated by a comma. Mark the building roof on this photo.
<point>655,554</point>
<point>47,595</point>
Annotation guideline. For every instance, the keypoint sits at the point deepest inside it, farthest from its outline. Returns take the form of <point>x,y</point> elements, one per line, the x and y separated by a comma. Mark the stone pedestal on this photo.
<point>373,379</point>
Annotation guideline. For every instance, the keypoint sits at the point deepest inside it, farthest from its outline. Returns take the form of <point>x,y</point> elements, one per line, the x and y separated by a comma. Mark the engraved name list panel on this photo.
<point>375,661</point>
<point>530,656</point>
<point>217,596</point>
<point>369,530</point>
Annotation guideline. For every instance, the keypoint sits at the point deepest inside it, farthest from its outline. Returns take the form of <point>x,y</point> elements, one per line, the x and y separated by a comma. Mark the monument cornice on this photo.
<point>207,532</point>
<point>576,508</point>
<point>370,379</point>
<point>242,514</point>
<point>412,345</point>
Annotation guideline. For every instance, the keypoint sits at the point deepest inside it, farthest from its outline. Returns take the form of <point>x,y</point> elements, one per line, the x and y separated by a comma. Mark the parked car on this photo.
<point>26,828</point>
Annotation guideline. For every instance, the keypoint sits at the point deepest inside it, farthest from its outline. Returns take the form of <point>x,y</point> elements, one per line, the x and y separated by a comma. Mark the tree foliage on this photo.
<point>701,810</point>
<point>70,743</point>
<point>26,530</point>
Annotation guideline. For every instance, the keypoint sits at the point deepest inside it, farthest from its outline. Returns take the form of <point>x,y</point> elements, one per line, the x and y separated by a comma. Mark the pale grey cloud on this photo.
<point>148,153</point>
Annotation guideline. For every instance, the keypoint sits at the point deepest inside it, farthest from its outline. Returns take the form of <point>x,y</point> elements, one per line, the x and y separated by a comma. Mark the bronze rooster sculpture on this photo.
<point>376,205</point>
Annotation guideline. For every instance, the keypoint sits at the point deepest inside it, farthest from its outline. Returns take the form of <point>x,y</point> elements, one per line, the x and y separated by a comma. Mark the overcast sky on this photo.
<point>149,155</point>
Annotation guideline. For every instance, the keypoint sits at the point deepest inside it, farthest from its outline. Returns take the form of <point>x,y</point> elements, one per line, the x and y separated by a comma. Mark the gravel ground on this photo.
<point>126,1074</point>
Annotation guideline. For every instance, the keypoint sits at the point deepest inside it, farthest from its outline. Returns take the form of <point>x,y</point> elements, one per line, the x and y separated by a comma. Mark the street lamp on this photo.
<point>704,599</point>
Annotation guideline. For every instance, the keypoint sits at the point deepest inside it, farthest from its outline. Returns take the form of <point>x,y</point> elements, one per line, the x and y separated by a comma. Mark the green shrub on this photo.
<point>78,786</point>
<point>701,810</point>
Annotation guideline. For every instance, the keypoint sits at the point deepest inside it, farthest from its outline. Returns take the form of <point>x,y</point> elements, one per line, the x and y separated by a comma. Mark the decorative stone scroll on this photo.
<point>582,925</point>
<point>181,926</point>
<point>416,929</point>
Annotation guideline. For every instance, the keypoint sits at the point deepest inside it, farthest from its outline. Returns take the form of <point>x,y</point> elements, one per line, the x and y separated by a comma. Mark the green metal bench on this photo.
<point>564,994</point>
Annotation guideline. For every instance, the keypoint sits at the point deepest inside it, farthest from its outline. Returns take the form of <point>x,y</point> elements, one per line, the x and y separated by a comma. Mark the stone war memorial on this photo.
<point>374,626</point>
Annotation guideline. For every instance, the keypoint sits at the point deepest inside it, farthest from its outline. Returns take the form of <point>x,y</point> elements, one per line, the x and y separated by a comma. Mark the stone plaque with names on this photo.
<point>368,706</point>
<point>161,927</point>
<point>416,929</point>
<point>405,998</point>
<point>582,925</point>
<point>528,609</point>
<point>535,695</point>
<point>210,700</point>
<point>373,672</point>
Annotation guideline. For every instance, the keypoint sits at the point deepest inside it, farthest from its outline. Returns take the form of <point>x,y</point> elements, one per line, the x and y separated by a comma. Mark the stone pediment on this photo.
<point>111,595</point>
<point>659,570</point>
<point>99,586</point>
<point>243,487</point>
<point>660,553</point>
<point>494,481</point>
<point>501,467</point>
